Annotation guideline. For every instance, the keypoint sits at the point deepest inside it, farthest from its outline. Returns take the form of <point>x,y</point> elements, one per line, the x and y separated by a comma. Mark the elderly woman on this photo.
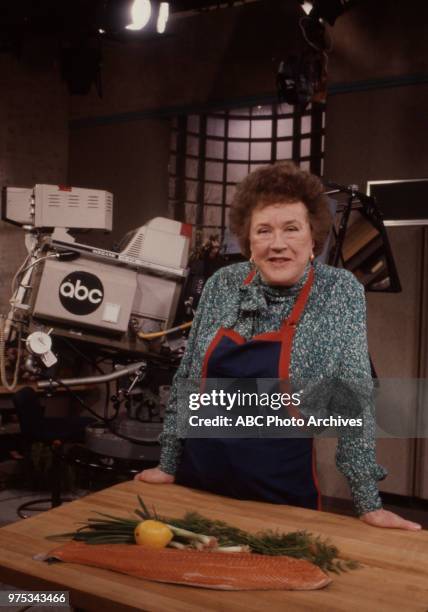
<point>281,315</point>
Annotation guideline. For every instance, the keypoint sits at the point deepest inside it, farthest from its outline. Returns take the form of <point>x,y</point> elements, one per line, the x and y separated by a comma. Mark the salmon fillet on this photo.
<point>211,570</point>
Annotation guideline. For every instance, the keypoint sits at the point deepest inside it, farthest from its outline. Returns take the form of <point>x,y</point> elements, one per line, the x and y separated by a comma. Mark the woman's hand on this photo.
<point>384,518</point>
<point>155,476</point>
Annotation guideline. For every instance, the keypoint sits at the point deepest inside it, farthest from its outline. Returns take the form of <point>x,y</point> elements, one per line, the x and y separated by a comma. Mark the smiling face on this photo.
<point>281,242</point>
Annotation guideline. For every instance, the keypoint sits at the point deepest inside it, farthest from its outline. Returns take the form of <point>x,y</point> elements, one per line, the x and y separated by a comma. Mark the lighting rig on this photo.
<point>360,242</point>
<point>302,79</point>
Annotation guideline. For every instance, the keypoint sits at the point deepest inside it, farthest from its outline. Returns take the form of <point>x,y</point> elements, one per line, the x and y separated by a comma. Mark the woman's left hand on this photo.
<point>390,520</point>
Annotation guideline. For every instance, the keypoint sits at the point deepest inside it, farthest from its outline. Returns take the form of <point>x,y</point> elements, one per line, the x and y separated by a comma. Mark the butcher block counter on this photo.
<point>393,574</point>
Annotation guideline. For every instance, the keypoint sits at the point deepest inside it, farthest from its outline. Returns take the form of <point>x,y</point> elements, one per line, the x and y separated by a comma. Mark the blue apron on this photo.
<point>275,470</point>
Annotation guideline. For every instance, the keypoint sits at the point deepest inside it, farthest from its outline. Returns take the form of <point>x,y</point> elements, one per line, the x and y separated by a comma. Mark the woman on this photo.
<point>281,315</point>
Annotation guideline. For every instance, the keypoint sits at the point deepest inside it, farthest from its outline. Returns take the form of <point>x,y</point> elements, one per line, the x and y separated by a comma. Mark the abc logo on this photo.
<point>81,293</point>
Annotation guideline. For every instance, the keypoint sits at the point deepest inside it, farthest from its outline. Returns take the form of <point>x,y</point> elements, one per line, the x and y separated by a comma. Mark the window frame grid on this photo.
<point>180,200</point>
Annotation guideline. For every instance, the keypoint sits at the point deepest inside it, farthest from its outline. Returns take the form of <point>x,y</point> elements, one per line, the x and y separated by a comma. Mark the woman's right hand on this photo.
<point>155,476</point>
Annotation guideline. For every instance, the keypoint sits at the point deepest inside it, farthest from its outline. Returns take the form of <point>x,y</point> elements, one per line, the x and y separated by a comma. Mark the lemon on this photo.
<point>152,534</point>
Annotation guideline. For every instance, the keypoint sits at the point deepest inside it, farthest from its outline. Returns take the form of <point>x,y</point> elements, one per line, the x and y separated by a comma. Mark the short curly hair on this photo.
<point>283,182</point>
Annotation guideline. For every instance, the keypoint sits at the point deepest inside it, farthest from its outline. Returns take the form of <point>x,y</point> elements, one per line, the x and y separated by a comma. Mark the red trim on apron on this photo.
<point>285,334</point>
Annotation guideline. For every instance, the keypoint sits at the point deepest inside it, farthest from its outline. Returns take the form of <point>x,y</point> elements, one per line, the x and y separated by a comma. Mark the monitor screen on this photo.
<point>402,202</point>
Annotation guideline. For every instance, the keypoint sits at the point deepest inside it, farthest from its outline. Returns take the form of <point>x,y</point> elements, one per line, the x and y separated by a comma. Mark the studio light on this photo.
<point>162,17</point>
<point>124,19</point>
<point>148,12</point>
<point>307,7</point>
<point>303,79</point>
<point>141,11</point>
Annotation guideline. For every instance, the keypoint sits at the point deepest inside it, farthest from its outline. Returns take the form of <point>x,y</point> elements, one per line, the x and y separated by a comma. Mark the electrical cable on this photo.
<point>84,405</point>
<point>18,272</point>
<point>93,364</point>
<point>107,422</point>
<point>165,332</point>
<point>63,255</point>
<point>3,377</point>
<point>328,48</point>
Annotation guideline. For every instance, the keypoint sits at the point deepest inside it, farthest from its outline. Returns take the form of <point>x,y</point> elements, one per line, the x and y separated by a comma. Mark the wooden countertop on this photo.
<point>394,575</point>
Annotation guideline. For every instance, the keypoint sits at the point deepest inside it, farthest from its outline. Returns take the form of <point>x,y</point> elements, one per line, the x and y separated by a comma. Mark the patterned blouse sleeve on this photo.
<point>356,450</point>
<point>171,445</point>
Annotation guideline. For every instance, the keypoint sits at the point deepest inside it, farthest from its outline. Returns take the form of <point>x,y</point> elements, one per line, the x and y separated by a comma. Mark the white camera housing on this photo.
<point>46,206</point>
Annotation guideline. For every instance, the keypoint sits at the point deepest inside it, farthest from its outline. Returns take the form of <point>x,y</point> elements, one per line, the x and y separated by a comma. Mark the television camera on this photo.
<point>119,301</point>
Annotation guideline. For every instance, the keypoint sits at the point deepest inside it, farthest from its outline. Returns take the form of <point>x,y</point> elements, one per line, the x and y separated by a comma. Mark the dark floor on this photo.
<point>10,499</point>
